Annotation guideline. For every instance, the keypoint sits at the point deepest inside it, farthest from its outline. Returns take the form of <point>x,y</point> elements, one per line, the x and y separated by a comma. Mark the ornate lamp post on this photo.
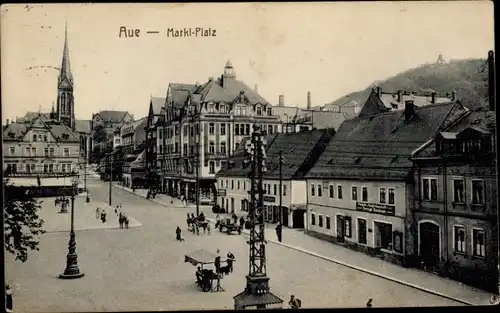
<point>257,293</point>
<point>72,271</point>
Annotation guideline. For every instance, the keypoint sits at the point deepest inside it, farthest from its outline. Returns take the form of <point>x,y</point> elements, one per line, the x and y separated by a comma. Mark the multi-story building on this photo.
<point>299,152</point>
<point>133,144</point>
<point>40,153</point>
<point>379,101</point>
<point>454,212</point>
<point>155,118</point>
<point>360,188</point>
<point>350,108</point>
<point>204,124</point>
<point>133,134</point>
<point>103,127</point>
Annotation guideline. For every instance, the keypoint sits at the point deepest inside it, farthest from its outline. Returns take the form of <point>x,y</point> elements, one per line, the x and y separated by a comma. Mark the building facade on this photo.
<point>154,141</point>
<point>298,152</point>
<point>204,125</point>
<point>454,213</point>
<point>360,188</point>
<point>103,127</point>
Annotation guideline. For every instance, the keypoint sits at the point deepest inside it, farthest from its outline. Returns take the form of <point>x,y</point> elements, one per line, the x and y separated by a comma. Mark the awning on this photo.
<point>200,256</point>
<point>245,299</point>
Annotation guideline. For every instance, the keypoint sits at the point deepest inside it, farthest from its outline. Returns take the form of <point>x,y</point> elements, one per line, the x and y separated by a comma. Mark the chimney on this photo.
<point>400,96</point>
<point>491,80</point>
<point>281,102</point>
<point>409,110</point>
<point>379,91</point>
<point>453,96</point>
<point>308,100</point>
<point>256,88</point>
<point>433,97</point>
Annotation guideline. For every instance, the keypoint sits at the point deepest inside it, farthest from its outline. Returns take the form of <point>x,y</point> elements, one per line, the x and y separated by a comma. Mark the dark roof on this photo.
<point>180,93</point>
<point>16,131</point>
<point>83,126</point>
<point>245,299</point>
<point>296,149</point>
<point>29,116</point>
<point>112,116</point>
<point>157,103</point>
<point>380,146</point>
<point>318,119</point>
<point>226,90</point>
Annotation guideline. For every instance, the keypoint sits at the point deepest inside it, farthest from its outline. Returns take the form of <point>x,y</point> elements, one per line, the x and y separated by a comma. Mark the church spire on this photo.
<point>65,66</point>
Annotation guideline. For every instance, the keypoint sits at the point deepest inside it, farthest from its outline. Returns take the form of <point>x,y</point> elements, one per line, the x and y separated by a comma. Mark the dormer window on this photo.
<point>222,108</point>
<point>269,111</point>
<point>210,108</point>
<point>259,110</point>
<point>34,137</point>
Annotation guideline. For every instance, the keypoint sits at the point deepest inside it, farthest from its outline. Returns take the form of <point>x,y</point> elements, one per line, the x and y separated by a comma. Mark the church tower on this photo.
<point>65,102</point>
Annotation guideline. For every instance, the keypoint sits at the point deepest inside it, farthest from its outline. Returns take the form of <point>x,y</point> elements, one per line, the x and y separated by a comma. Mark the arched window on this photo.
<point>63,103</point>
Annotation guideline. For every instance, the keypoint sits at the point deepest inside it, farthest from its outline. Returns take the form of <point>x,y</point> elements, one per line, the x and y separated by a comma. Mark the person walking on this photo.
<point>230,261</point>
<point>217,262</point>
<point>242,221</point>
<point>9,305</point>
<point>126,220</point>
<point>120,220</point>
<point>103,216</point>
<point>97,212</point>
<point>279,231</point>
<point>178,233</point>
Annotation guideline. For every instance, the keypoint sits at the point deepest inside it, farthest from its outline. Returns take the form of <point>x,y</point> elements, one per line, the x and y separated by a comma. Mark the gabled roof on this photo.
<point>319,119</point>
<point>157,103</point>
<point>390,100</point>
<point>296,149</point>
<point>227,89</point>
<point>112,116</point>
<point>380,146</point>
<point>16,131</point>
<point>140,122</point>
<point>83,126</point>
<point>29,116</point>
<point>180,93</point>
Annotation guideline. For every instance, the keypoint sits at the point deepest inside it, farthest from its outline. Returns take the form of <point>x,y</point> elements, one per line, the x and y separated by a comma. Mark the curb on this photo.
<point>401,282</point>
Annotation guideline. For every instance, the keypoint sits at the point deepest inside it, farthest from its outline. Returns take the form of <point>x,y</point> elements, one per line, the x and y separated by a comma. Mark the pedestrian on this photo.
<point>208,228</point>
<point>9,305</point>
<point>178,233</point>
<point>294,303</point>
<point>120,220</point>
<point>369,303</point>
<point>116,210</point>
<point>230,261</point>
<point>103,216</point>
<point>217,262</point>
<point>279,231</point>
<point>97,212</point>
<point>126,221</point>
<point>242,221</point>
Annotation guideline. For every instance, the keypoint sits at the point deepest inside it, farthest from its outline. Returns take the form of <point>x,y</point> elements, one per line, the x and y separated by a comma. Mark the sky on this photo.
<point>329,49</point>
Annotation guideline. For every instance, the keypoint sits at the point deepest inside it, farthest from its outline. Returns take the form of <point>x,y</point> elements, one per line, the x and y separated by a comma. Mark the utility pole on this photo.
<point>281,188</point>
<point>257,293</point>
<point>110,177</point>
<point>197,164</point>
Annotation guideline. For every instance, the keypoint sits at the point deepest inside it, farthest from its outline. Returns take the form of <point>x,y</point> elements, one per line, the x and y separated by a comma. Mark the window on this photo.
<point>211,147</point>
<point>244,185</point>
<point>362,231</point>
<point>66,152</point>
<point>259,111</point>
<point>211,167</point>
<point>320,191</point>
<point>382,195</point>
<point>478,245</point>
<point>269,129</point>
<point>458,190</point>
<point>312,190</point>
<point>339,192</point>
<point>223,129</point>
<point>33,151</point>
<point>28,151</point>
<point>331,191</point>
<point>459,236</point>
<point>347,225</point>
<point>383,235</point>
<point>238,185</point>
<point>429,189</point>
<point>51,168</point>
<point>268,189</point>
<point>45,168</point>
<point>160,133</point>
<point>391,195</point>
<point>354,194</point>
<point>63,168</point>
<point>313,219</point>
<point>34,137</point>
<point>227,183</point>
<point>45,138</point>
<point>46,152</point>
<point>222,109</point>
<point>232,184</point>
<point>328,222</point>
<point>320,220</point>
<point>176,147</point>
<point>185,130</point>
<point>364,194</point>
<point>223,147</point>
<point>275,189</point>
<point>284,190</point>
<point>211,128</point>
<point>12,150</point>
<point>269,111</point>
<point>477,191</point>
<point>247,129</point>
<point>28,168</point>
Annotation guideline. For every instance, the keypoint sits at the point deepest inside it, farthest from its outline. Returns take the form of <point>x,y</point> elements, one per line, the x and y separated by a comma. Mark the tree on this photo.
<point>22,225</point>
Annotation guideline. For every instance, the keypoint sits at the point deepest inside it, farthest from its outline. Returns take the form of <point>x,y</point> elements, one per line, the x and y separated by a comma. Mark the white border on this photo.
<point>419,233</point>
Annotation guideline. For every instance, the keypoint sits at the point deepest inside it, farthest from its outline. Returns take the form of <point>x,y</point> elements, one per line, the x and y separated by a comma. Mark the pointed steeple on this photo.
<point>65,66</point>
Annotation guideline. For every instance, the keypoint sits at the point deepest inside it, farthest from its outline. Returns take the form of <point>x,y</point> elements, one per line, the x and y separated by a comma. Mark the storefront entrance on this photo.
<point>298,218</point>
<point>340,228</point>
<point>429,243</point>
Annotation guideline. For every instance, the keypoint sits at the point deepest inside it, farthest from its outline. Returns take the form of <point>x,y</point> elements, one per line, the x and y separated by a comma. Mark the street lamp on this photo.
<point>87,199</point>
<point>72,271</point>
<point>197,164</point>
<point>110,177</point>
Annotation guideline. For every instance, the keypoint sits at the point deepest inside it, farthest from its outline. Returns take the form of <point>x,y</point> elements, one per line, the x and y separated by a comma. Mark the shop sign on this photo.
<point>376,208</point>
<point>299,206</point>
<point>222,192</point>
<point>269,199</point>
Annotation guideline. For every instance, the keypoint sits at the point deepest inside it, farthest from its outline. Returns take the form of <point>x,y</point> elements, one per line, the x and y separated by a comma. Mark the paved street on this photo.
<point>143,269</point>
